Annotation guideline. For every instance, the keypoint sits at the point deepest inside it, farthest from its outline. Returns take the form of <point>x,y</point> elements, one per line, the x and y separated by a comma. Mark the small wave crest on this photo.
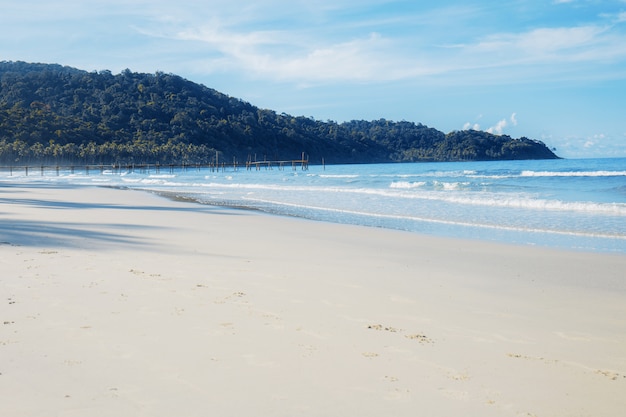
<point>407,184</point>
<point>573,174</point>
<point>302,208</point>
<point>400,191</point>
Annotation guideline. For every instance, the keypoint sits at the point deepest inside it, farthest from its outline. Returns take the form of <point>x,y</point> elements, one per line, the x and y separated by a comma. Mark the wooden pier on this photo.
<point>249,165</point>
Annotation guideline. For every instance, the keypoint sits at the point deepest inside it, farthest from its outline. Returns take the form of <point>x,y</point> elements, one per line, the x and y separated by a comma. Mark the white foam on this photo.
<point>573,174</point>
<point>444,221</point>
<point>447,192</point>
<point>407,184</point>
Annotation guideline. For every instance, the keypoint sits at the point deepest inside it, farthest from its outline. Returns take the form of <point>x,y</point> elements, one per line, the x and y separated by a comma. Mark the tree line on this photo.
<point>55,114</point>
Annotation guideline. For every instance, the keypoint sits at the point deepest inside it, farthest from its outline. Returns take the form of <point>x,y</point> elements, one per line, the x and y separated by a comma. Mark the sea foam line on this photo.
<point>442,221</point>
<point>408,191</point>
<point>573,174</point>
<point>400,189</point>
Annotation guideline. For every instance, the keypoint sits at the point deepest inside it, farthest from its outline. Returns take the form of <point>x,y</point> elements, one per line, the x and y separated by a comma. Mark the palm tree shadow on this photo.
<point>68,235</point>
<point>21,232</point>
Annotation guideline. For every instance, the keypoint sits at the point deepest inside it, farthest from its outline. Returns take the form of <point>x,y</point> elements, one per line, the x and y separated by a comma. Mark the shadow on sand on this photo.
<point>42,233</point>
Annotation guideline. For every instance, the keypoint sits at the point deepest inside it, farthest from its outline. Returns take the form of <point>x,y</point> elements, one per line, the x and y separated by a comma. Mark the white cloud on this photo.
<point>542,44</point>
<point>290,56</point>
<point>496,129</point>
<point>326,42</point>
<point>593,145</point>
<point>469,126</point>
<point>592,141</point>
<point>305,44</point>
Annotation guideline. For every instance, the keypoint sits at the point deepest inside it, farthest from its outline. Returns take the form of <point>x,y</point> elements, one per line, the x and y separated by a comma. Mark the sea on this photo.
<point>574,204</point>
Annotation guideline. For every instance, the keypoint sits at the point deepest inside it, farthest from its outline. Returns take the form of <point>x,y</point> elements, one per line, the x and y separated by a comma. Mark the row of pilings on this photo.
<point>249,165</point>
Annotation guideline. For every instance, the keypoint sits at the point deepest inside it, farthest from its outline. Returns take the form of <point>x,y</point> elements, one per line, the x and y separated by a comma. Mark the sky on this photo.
<point>552,70</point>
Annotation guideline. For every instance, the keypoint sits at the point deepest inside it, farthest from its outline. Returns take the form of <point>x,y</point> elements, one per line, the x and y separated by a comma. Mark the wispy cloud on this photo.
<point>287,56</point>
<point>335,41</point>
<point>307,56</point>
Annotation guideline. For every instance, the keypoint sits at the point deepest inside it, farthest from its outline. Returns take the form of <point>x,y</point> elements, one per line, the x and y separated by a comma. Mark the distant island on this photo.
<point>53,114</point>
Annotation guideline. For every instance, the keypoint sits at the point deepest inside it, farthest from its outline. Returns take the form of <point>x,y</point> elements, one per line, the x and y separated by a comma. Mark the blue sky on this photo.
<point>552,70</point>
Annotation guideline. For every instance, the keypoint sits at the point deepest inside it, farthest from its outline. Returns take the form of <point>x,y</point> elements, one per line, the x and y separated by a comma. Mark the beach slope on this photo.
<point>124,303</point>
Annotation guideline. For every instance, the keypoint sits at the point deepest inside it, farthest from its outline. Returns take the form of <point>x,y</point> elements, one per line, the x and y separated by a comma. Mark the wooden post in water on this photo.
<point>304,164</point>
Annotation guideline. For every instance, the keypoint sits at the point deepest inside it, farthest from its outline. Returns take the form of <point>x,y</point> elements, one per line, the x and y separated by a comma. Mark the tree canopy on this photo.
<point>52,113</point>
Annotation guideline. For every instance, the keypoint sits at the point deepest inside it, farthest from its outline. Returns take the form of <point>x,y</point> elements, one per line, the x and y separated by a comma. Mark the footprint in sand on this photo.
<point>423,339</point>
<point>385,328</point>
<point>610,374</point>
<point>532,358</point>
<point>233,296</point>
<point>420,338</point>
<point>144,274</point>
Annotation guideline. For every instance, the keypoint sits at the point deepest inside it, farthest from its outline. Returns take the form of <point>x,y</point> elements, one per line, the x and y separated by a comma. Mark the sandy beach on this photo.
<point>124,303</point>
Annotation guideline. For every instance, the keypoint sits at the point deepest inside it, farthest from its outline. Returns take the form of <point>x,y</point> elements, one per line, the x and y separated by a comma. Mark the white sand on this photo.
<point>122,303</point>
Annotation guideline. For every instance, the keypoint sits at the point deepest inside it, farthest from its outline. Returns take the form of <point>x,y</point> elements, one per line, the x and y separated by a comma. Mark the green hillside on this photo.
<point>55,114</point>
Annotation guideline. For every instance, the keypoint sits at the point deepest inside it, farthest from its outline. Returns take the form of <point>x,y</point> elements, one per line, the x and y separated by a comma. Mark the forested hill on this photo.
<point>55,114</point>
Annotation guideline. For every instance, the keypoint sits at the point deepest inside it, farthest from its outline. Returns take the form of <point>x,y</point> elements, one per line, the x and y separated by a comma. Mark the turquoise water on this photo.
<point>574,204</point>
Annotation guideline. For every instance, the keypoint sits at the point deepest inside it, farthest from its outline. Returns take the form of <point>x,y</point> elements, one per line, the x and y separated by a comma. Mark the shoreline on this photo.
<point>125,302</point>
<point>579,230</point>
<point>191,198</point>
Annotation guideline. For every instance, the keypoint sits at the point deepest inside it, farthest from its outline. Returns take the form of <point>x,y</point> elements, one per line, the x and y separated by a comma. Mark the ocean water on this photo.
<point>573,204</point>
